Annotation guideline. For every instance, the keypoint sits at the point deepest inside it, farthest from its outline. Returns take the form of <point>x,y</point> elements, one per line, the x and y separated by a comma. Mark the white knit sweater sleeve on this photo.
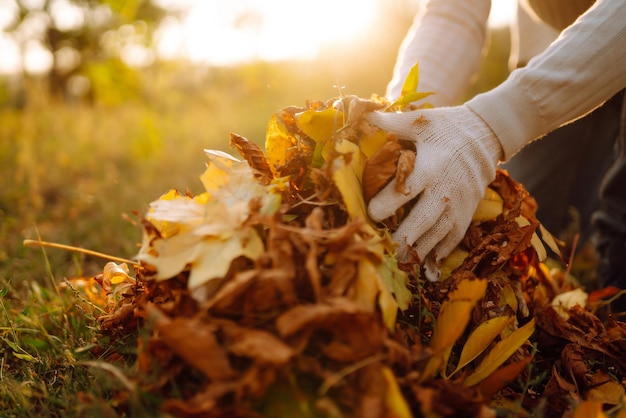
<point>582,69</point>
<point>447,39</point>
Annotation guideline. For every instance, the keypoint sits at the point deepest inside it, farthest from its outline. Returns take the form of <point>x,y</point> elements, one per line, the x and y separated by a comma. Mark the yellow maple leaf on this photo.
<point>207,233</point>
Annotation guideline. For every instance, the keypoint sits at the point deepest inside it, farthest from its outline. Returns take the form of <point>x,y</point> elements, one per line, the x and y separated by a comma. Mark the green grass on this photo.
<point>45,336</point>
<point>54,361</point>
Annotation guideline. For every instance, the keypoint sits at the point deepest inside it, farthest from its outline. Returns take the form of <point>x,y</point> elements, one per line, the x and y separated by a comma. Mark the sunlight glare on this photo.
<point>221,33</point>
<point>502,12</point>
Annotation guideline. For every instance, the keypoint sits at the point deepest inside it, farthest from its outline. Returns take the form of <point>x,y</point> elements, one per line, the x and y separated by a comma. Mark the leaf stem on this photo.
<point>32,243</point>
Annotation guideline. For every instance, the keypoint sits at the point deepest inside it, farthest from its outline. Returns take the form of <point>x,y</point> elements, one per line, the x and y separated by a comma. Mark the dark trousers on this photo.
<point>577,174</point>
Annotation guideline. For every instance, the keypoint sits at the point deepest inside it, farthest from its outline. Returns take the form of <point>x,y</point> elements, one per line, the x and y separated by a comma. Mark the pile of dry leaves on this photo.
<point>272,294</point>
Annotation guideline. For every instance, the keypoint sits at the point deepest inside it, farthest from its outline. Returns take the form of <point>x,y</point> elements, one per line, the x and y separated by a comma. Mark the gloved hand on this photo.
<point>456,159</point>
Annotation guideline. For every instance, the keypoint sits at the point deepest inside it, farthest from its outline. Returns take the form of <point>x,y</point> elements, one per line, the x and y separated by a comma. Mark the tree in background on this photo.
<point>84,46</point>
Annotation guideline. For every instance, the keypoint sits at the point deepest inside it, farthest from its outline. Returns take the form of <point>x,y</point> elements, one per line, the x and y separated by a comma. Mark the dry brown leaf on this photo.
<point>254,155</point>
<point>196,343</point>
<point>406,164</point>
<point>355,335</point>
<point>380,168</point>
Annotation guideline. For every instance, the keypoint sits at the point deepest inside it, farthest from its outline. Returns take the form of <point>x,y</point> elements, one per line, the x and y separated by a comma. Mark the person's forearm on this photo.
<point>582,69</point>
<point>447,40</point>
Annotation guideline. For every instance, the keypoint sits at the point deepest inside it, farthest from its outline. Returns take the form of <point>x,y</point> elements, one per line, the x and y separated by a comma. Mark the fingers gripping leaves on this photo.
<point>456,157</point>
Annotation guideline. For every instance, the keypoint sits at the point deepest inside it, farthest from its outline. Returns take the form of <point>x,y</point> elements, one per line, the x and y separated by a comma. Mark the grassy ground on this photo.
<point>76,174</point>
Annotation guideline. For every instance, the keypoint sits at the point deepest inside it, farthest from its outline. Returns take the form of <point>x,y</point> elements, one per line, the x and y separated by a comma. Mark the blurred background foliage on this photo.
<point>92,141</point>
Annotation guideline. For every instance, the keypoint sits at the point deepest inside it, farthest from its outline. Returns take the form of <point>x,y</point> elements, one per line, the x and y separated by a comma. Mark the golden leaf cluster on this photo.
<point>273,294</point>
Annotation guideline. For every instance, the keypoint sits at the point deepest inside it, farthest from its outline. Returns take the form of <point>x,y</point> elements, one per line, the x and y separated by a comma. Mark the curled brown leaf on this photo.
<point>380,168</point>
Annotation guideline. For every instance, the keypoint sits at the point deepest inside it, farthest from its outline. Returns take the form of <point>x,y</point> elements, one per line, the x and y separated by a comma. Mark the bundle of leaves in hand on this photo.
<point>273,294</point>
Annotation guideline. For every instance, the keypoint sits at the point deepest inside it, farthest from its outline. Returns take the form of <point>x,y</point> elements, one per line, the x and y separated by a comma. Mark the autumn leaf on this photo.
<point>196,343</point>
<point>535,240</point>
<point>452,320</point>
<point>380,168</point>
<point>409,93</point>
<point>454,313</point>
<point>347,172</point>
<point>320,125</point>
<point>566,300</point>
<point>503,376</point>
<point>500,353</point>
<point>589,409</point>
<point>280,141</point>
<point>385,285</point>
<point>607,292</point>
<point>480,338</point>
<point>372,141</point>
<point>550,240</point>
<point>489,207</point>
<point>117,273</point>
<point>406,165</point>
<point>205,234</point>
<point>232,184</point>
<point>451,262</point>
<point>397,280</point>
<point>605,389</point>
<point>397,406</point>
<point>509,298</point>
<point>253,154</point>
<point>372,292</point>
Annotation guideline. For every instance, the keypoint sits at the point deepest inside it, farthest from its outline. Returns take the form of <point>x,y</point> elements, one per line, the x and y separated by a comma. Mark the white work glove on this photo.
<point>456,159</point>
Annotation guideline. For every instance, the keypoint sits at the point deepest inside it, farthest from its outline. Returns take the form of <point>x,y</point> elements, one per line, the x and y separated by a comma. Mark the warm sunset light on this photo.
<point>219,32</point>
